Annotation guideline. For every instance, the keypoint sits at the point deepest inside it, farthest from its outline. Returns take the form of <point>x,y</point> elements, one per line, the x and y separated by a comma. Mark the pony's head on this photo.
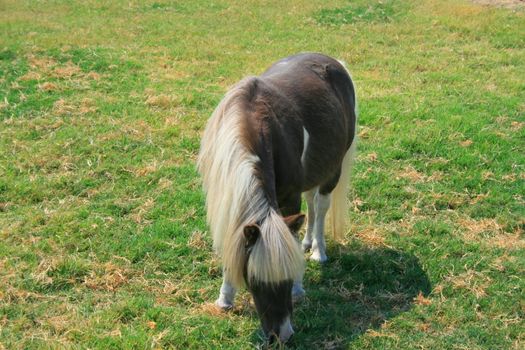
<point>272,289</point>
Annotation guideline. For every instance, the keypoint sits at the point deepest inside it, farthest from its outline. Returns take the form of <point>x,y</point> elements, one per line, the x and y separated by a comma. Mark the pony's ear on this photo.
<point>294,223</point>
<point>251,234</point>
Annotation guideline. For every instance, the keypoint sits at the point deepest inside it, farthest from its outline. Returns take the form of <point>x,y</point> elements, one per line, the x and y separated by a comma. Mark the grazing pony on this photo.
<point>290,130</point>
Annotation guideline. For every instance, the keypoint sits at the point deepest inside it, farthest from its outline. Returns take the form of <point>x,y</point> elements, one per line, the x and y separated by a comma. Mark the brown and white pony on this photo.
<point>290,130</point>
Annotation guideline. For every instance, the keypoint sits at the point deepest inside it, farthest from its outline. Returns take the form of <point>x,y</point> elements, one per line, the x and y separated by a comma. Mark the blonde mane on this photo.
<point>235,198</point>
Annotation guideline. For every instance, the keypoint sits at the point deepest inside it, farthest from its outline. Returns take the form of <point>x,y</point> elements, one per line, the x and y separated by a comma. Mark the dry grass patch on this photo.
<point>489,231</point>
<point>47,86</point>
<point>515,125</point>
<point>42,63</point>
<point>66,71</point>
<point>375,334</point>
<point>108,277</point>
<point>58,324</point>
<point>510,4</point>
<point>61,107</point>
<point>146,169</point>
<point>375,74</point>
<point>160,101</point>
<point>164,183</point>
<point>46,67</point>
<point>186,216</point>
<point>348,294</point>
<point>364,132</point>
<point>213,310</point>
<point>4,206</point>
<point>87,105</point>
<point>509,177</point>
<point>17,295</point>
<point>93,76</point>
<point>473,281</point>
<point>436,176</point>
<point>501,119</point>
<point>329,344</point>
<point>168,70</point>
<point>513,240</point>
<point>466,143</point>
<point>198,241</point>
<point>47,264</point>
<point>10,228</point>
<point>371,157</point>
<point>424,327</point>
<point>499,262</point>
<point>411,174</point>
<point>476,227</point>
<point>371,236</point>
<point>30,76</point>
<point>138,213</point>
<point>421,300</point>
<point>139,129</point>
<point>167,292</point>
<point>214,264</point>
<point>40,123</point>
<point>479,198</point>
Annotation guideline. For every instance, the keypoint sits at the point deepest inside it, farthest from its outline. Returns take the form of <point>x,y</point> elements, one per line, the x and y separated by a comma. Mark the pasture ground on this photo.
<point>103,241</point>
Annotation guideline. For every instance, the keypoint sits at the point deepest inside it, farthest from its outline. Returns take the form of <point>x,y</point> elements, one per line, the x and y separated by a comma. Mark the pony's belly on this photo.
<point>322,168</point>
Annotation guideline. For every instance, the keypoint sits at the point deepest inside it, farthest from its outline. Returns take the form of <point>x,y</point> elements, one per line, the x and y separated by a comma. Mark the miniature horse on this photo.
<point>290,130</point>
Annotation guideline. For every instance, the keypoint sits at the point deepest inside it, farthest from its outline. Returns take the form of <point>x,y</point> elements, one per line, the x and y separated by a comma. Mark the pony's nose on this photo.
<point>272,338</point>
<point>282,334</point>
<point>285,330</point>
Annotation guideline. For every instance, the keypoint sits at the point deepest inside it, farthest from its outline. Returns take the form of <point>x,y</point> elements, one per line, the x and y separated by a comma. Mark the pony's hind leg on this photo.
<point>307,240</point>
<point>321,205</point>
<point>226,295</point>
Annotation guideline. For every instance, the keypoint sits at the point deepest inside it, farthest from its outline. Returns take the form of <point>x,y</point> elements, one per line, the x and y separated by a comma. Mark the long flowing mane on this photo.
<point>235,197</point>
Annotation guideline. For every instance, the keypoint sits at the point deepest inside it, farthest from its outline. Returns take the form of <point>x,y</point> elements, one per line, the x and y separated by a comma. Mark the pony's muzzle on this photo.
<point>286,330</point>
<point>284,333</point>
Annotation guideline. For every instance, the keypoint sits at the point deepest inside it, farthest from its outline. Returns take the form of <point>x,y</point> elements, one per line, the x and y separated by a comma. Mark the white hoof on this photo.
<point>319,256</point>
<point>223,304</point>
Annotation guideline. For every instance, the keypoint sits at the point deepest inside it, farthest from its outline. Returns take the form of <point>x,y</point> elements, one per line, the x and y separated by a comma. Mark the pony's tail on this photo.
<point>338,210</point>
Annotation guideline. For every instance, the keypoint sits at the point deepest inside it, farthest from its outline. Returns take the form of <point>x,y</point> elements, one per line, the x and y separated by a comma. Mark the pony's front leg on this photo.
<point>307,240</point>
<point>321,205</point>
<point>226,295</point>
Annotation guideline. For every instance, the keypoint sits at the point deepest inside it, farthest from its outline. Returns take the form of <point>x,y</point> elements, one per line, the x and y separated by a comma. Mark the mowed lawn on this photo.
<point>103,237</point>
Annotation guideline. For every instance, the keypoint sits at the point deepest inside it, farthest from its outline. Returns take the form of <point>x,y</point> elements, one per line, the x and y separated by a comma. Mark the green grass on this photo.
<point>103,238</point>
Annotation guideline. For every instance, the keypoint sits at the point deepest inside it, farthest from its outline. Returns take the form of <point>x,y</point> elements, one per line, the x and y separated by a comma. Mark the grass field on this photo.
<point>103,239</point>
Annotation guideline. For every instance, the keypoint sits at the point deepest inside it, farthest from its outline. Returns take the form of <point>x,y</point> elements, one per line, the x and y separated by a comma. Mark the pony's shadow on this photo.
<point>358,289</point>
